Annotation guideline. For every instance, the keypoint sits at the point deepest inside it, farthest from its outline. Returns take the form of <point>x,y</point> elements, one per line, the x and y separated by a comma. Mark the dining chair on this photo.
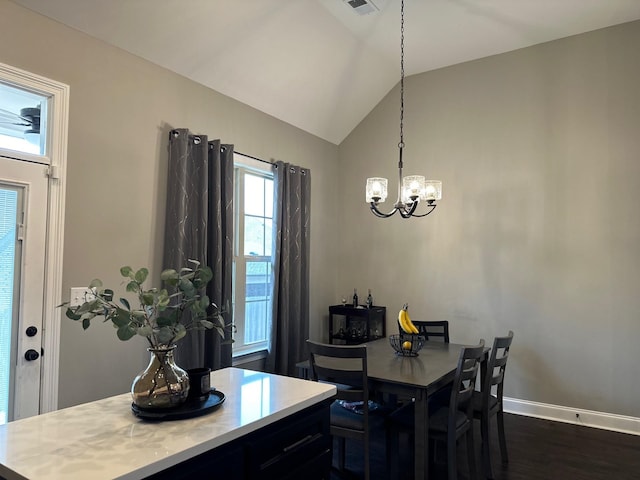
<point>345,366</point>
<point>434,330</point>
<point>488,402</point>
<point>431,330</point>
<point>447,424</point>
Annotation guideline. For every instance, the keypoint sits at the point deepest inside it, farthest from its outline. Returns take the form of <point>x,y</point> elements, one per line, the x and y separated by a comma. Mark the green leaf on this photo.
<point>206,324</point>
<point>145,331</point>
<point>125,302</point>
<point>95,283</point>
<point>71,314</point>
<point>126,332</point>
<point>219,320</point>
<point>206,275</point>
<point>88,315</point>
<point>133,287</point>
<point>204,302</point>
<point>86,323</point>
<point>127,272</point>
<point>141,275</point>
<point>164,321</point>
<point>121,318</point>
<point>180,332</point>
<point>187,288</point>
<point>89,306</point>
<point>162,304</point>
<point>164,335</point>
<point>169,274</point>
<point>147,298</point>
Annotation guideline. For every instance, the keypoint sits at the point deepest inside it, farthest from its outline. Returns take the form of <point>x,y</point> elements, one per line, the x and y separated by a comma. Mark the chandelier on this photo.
<point>412,189</point>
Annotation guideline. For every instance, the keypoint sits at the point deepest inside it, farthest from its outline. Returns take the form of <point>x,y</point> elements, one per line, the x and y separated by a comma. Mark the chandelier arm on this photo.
<point>378,213</point>
<point>432,207</point>
<point>408,209</point>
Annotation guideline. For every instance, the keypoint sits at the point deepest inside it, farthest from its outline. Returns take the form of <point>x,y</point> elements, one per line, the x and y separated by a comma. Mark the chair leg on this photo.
<point>501,437</point>
<point>486,446</point>
<point>471,454</point>
<point>366,457</point>
<point>341,453</point>
<point>451,457</point>
<point>392,451</point>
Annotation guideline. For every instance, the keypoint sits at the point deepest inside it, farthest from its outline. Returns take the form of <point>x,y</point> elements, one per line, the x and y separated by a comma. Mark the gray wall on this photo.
<point>538,228</point>
<point>537,231</point>
<point>121,110</point>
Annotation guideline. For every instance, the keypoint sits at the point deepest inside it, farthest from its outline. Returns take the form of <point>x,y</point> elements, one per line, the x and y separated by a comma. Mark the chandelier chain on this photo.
<point>401,144</point>
<point>416,188</point>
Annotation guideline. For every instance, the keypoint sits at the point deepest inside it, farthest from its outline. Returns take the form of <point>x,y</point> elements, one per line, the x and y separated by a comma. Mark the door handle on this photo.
<point>31,355</point>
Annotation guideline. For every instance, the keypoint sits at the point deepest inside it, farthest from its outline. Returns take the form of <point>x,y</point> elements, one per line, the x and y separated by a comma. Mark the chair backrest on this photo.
<point>496,367</point>
<point>464,382</point>
<point>433,330</point>
<point>345,366</point>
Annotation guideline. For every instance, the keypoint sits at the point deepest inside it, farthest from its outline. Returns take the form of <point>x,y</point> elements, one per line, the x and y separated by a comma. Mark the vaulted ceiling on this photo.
<point>318,64</point>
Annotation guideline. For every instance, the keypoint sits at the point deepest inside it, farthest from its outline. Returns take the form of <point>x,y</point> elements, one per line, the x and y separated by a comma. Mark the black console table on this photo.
<point>354,325</point>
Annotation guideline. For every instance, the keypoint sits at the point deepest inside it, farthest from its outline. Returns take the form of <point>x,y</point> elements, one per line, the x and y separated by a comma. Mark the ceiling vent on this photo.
<point>362,7</point>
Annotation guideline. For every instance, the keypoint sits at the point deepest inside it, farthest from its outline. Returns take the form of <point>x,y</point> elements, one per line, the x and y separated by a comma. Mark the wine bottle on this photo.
<point>355,298</point>
<point>369,300</point>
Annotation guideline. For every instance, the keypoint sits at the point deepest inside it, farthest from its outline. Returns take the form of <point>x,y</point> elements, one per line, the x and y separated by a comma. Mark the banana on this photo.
<point>402,320</point>
<point>413,328</point>
<point>405,321</point>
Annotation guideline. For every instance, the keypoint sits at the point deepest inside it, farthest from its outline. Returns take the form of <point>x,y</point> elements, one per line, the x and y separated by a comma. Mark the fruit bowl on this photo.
<point>407,345</point>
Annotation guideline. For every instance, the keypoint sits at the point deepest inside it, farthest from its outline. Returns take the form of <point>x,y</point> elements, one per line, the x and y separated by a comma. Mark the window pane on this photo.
<point>258,301</point>
<point>253,195</point>
<point>254,236</point>
<point>268,236</point>
<point>21,128</point>
<point>268,195</point>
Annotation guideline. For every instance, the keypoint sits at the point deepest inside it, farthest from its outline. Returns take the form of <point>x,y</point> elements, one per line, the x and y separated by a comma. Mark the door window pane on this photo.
<point>22,120</point>
<point>8,222</point>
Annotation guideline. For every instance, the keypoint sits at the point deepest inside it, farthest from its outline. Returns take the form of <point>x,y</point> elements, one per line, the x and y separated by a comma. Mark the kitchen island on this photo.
<point>268,427</point>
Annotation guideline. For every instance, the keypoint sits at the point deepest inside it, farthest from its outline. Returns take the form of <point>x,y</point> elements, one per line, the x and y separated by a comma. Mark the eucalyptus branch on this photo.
<point>161,316</point>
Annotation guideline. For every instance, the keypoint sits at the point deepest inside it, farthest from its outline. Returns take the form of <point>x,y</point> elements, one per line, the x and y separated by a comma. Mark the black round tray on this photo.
<point>189,409</point>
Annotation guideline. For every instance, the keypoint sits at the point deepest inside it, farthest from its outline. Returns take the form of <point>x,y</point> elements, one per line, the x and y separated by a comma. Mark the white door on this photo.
<point>23,222</point>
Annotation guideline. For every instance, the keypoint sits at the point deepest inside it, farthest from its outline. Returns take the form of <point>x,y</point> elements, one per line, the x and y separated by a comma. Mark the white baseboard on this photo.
<point>589,418</point>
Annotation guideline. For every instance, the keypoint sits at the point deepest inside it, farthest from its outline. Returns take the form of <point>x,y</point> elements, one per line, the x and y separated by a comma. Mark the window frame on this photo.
<point>244,165</point>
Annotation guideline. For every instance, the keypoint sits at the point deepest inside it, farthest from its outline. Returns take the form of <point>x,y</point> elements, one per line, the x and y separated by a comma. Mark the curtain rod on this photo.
<point>256,158</point>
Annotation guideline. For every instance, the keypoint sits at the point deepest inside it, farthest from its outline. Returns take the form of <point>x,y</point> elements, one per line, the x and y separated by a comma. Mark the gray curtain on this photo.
<point>290,320</point>
<point>199,226</point>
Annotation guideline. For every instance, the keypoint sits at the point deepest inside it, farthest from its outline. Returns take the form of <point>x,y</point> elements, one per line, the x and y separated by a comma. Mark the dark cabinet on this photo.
<point>298,446</point>
<point>351,325</point>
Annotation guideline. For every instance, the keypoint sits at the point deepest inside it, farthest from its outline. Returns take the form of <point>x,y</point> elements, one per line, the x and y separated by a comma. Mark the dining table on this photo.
<point>416,377</point>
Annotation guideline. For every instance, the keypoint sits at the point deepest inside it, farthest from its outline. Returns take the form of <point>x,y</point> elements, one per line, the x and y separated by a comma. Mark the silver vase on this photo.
<point>163,384</point>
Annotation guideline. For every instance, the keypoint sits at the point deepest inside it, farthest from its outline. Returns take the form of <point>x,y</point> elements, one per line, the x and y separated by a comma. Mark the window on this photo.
<point>21,128</point>
<point>253,267</point>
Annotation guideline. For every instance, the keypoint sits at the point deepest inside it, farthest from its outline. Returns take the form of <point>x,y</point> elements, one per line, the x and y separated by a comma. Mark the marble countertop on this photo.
<point>104,440</point>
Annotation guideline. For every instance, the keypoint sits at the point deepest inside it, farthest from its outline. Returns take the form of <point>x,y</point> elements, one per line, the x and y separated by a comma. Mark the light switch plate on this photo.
<point>79,295</point>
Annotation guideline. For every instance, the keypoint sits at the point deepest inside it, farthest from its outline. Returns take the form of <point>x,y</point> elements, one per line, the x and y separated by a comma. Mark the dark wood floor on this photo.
<point>538,450</point>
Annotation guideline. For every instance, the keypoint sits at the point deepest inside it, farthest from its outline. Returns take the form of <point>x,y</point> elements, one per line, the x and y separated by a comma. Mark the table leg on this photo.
<point>421,431</point>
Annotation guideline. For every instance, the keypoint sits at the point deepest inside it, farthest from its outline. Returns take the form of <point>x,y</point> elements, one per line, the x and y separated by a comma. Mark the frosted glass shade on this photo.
<point>432,191</point>
<point>412,186</point>
<point>376,190</point>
